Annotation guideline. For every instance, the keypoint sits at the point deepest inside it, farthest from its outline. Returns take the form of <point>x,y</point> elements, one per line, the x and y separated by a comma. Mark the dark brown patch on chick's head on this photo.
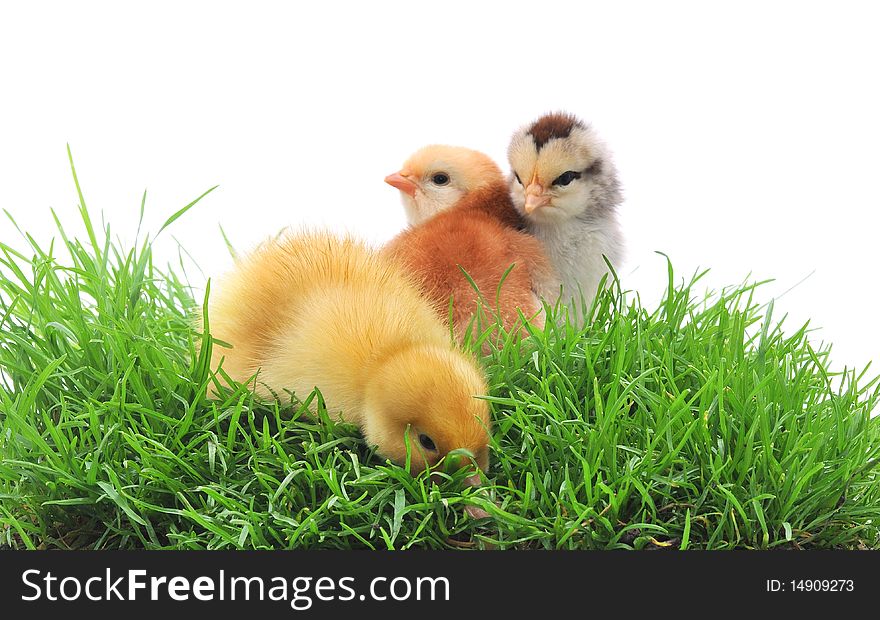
<point>553,125</point>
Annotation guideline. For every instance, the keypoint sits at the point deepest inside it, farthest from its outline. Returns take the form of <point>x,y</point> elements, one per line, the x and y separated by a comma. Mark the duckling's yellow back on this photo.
<point>305,306</point>
<point>313,310</point>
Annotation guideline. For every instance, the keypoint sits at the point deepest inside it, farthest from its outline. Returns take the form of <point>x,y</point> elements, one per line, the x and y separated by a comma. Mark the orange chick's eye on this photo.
<point>427,443</point>
<point>440,178</point>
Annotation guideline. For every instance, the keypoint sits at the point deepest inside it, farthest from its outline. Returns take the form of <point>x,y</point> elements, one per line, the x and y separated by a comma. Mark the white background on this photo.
<point>747,136</point>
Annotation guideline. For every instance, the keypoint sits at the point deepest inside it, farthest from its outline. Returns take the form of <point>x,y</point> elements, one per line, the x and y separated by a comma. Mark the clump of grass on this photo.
<point>699,424</point>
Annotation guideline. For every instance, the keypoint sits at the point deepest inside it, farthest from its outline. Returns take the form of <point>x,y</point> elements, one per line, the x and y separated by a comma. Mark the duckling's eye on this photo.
<point>567,177</point>
<point>427,443</point>
<point>517,178</point>
<point>441,178</point>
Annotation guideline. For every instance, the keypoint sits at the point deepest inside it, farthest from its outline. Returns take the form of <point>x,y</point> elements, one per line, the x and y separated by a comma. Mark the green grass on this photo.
<point>697,424</point>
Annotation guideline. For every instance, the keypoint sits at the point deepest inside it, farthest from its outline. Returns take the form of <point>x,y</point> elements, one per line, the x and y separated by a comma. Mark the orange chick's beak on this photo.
<point>536,197</point>
<point>402,183</point>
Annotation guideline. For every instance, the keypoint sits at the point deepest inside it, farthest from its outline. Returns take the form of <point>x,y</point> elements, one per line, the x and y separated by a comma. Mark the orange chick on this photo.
<point>464,219</point>
<point>313,310</point>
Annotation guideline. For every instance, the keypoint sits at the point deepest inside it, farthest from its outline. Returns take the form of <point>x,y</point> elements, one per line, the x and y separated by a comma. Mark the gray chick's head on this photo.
<point>560,169</point>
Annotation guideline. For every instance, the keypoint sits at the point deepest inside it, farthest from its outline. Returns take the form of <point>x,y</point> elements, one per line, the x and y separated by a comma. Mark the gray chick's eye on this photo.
<point>567,177</point>
<point>427,443</point>
<point>440,178</point>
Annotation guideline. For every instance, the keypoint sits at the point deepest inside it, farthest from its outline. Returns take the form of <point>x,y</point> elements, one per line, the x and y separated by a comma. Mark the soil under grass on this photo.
<point>698,424</point>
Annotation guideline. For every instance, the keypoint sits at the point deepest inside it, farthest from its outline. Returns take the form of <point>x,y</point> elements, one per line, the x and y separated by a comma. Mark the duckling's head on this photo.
<point>560,169</point>
<point>427,396</point>
<point>435,177</point>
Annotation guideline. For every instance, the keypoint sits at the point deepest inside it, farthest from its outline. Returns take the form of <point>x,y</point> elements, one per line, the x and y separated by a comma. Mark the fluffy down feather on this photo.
<point>313,310</point>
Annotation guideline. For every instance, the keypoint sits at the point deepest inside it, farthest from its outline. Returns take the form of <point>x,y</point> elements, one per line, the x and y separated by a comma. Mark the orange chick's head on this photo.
<point>436,176</point>
<point>560,169</point>
<point>428,395</point>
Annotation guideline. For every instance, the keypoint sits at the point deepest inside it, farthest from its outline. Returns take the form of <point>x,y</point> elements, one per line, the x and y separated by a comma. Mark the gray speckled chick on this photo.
<point>565,184</point>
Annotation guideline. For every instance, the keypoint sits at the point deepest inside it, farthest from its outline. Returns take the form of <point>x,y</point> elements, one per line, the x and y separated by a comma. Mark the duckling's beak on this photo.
<point>536,197</point>
<point>401,182</point>
<point>457,459</point>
